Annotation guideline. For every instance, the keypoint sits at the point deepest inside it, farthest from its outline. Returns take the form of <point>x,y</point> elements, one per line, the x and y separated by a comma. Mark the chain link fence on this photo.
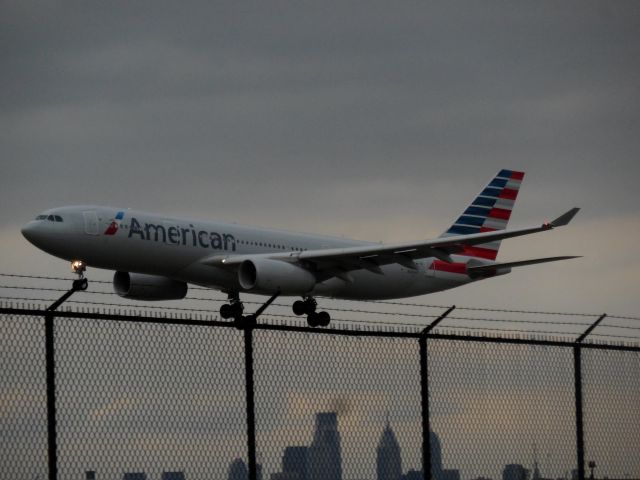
<point>109,396</point>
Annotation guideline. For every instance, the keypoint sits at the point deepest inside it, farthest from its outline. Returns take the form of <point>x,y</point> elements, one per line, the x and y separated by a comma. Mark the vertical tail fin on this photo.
<point>489,211</point>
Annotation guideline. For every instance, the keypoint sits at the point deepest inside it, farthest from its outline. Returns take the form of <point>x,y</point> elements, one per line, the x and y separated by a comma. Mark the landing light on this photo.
<point>78,267</point>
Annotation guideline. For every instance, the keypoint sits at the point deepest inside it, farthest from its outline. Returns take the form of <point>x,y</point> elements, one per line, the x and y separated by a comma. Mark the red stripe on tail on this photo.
<point>500,213</point>
<point>508,193</point>
<point>441,266</point>
<point>480,252</point>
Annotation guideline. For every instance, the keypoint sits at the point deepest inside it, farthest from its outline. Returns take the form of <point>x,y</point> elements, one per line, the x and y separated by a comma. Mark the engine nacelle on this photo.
<point>271,276</point>
<point>138,286</point>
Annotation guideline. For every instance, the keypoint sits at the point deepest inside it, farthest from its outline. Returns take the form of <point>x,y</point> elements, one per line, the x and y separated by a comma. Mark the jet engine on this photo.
<point>271,276</point>
<point>138,286</point>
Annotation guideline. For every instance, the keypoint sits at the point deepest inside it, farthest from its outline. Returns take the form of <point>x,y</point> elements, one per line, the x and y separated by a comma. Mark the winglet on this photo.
<point>564,219</point>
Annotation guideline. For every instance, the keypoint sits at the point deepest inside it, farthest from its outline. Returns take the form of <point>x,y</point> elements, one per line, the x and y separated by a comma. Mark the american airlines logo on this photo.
<point>114,224</point>
<point>175,235</point>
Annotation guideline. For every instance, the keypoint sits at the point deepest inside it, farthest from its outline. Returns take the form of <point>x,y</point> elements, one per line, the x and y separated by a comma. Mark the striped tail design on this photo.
<point>489,211</point>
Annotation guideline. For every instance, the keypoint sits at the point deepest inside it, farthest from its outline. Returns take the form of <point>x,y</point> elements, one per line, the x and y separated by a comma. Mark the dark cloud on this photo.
<point>312,115</point>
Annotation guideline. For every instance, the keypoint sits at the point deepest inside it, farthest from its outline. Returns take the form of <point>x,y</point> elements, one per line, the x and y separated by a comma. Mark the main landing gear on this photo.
<point>234,309</point>
<point>308,307</point>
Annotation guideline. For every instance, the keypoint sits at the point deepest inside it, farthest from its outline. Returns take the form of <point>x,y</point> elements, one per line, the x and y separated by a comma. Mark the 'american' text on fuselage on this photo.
<point>182,235</point>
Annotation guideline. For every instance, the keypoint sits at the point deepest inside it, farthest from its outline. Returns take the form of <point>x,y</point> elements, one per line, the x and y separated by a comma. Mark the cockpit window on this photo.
<point>50,218</point>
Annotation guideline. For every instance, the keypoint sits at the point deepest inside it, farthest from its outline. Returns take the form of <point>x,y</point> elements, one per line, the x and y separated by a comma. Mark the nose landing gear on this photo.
<point>79,267</point>
<point>308,307</point>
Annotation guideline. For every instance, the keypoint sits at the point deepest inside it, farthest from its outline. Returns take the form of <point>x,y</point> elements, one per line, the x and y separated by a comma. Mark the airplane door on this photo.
<point>90,222</point>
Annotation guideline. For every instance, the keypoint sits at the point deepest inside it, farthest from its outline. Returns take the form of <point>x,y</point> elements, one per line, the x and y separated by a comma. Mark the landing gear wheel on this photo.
<point>312,320</point>
<point>306,306</point>
<point>226,311</point>
<point>233,309</point>
<point>323,319</point>
<point>80,284</point>
<point>299,307</point>
<point>320,319</point>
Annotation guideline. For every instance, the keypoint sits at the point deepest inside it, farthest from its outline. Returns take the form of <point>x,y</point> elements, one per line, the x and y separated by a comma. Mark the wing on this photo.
<point>338,262</point>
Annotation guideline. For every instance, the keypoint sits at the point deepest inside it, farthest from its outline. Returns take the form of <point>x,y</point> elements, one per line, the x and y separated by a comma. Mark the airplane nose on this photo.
<point>30,231</point>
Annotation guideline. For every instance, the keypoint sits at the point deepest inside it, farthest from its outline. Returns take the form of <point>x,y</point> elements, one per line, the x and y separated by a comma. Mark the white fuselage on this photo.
<point>175,247</point>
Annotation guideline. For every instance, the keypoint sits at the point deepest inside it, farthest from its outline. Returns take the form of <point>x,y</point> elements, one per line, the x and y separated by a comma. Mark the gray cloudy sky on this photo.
<point>371,120</point>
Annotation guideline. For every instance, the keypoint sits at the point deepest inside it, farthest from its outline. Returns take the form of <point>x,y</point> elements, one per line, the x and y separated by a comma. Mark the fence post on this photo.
<point>250,400</point>
<point>577,371</point>
<point>426,428</point>
<point>50,359</point>
<point>52,440</point>
<point>424,391</point>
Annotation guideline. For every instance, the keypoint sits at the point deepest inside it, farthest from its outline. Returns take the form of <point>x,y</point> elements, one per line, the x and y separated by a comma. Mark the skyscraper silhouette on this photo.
<point>134,476</point>
<point>294,462</point>
<point>324,457</point>
<point>436,456</point>
<point>438,472</point>
<point>388,459</point>
<point>515,471</point>
<point>172,476</point>
<point>238,470</point>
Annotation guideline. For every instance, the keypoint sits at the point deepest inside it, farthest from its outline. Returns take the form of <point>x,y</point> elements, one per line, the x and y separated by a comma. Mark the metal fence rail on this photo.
<point>114,393</point>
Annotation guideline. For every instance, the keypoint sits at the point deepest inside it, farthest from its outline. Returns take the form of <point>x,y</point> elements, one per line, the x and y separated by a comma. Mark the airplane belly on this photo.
<point>396,282</point>
<point>208,276</point>
<point>119,253</point>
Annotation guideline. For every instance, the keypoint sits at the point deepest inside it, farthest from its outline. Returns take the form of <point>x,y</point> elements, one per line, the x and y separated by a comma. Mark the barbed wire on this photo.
<point>383,302</point>
<point>536,322</point>
<point>67,279</point>
<point>482,309</point>
<point>340,309</point>
<point>118,305</point>
<point>538,332</point>
<point>369,322</point>
<point>336,309</point>
<point>623,318</point>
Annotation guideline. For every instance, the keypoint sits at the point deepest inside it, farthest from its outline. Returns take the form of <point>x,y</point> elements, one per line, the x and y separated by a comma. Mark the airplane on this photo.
<point>156,256</point>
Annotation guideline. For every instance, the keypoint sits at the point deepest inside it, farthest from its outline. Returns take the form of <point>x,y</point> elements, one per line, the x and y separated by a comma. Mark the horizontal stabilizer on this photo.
<point>490,269</point>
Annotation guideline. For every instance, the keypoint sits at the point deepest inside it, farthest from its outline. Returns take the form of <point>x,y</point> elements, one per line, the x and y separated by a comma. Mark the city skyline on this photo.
<point>298,462</point>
